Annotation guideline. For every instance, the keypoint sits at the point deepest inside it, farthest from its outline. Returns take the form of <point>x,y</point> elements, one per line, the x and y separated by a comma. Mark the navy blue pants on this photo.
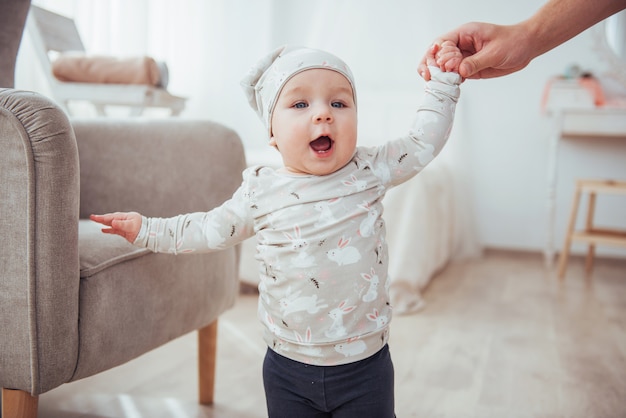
<point>363,389</point>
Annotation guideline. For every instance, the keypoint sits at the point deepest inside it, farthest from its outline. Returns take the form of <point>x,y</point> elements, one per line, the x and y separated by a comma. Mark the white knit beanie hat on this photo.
<point>266,78</point>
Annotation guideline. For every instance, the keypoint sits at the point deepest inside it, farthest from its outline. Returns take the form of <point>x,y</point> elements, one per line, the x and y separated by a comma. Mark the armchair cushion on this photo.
<point>137,305</point>
<point>98,251</point>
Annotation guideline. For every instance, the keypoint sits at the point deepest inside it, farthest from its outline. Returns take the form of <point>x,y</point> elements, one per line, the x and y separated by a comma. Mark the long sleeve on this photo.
<point>400,159</point>
<point>435,116</point>
<point>220,228</point>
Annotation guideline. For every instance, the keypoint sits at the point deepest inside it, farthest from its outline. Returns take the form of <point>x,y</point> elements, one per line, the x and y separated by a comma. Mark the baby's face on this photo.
<point>314,123</point>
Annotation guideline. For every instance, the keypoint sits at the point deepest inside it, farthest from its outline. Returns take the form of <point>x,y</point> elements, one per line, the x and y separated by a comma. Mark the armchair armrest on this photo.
<point>39,189</point>
<point>156,167</point>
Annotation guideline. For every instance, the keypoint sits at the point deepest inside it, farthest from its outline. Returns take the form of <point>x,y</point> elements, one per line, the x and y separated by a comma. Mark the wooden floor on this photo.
<point>499,337</point>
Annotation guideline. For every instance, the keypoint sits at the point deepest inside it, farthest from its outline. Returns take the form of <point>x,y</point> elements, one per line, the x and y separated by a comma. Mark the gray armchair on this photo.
<point>74,301</point>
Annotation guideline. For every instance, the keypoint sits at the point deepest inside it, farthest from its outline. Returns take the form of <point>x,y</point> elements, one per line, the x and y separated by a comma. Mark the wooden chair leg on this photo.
<point>568,234</point>
<point>207,352</point>
<point>18,404</point>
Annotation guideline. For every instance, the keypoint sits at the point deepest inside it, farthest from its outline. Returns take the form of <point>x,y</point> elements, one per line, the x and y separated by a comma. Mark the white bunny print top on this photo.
<point>320,239</point>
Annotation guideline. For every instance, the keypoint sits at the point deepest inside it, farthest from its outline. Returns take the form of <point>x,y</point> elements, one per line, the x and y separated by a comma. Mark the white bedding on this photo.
<point>420,220</point>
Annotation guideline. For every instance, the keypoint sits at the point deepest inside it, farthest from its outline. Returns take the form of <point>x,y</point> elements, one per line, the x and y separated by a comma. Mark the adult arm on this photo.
<point>491,50</point>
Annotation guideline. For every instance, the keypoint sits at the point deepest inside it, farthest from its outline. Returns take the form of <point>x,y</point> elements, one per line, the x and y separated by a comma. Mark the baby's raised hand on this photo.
<point>124,224</point>
<point>448,56</point>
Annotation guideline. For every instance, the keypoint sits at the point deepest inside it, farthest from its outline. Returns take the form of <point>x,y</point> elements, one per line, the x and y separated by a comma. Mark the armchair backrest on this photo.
<point>200,151</point>
<point>12,18</point>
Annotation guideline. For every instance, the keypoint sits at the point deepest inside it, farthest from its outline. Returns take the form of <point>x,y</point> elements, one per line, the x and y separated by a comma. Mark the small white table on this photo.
<point>569,121</point>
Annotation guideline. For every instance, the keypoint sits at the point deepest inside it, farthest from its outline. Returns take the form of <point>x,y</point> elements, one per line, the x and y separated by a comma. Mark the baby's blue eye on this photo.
<point>300,105</point>
<point>338,105</point>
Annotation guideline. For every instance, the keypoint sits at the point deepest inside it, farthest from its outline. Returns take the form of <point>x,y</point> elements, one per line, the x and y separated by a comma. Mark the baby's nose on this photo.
<point>323,114</point>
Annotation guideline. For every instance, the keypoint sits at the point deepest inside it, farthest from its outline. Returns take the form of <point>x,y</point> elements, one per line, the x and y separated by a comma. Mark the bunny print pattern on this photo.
<point>320,240</point>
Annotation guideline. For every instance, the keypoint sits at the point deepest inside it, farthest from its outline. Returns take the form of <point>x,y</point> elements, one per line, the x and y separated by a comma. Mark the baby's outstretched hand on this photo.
<point>124,224</point>
<point>445,55</point>
<point>448,57</point>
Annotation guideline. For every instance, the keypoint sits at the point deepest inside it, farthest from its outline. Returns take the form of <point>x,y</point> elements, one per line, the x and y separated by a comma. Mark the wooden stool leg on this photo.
<point>591,208</point>
<point>589,260</point>
<point>207,351</point>
<point>568,235</point>
<point>18,404</point>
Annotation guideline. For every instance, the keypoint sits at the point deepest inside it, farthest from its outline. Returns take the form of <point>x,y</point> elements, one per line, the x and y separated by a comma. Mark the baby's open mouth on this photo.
<point>321,144</point>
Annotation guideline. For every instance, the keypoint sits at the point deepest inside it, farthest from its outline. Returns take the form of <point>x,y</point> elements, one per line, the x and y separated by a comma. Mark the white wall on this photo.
<point>499,127</point>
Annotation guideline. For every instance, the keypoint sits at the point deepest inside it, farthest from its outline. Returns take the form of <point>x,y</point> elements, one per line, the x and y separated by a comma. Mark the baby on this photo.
<point>319,230</point>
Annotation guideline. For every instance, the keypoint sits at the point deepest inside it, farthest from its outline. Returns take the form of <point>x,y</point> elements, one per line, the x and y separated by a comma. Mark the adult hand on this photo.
<point>488,50</point>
